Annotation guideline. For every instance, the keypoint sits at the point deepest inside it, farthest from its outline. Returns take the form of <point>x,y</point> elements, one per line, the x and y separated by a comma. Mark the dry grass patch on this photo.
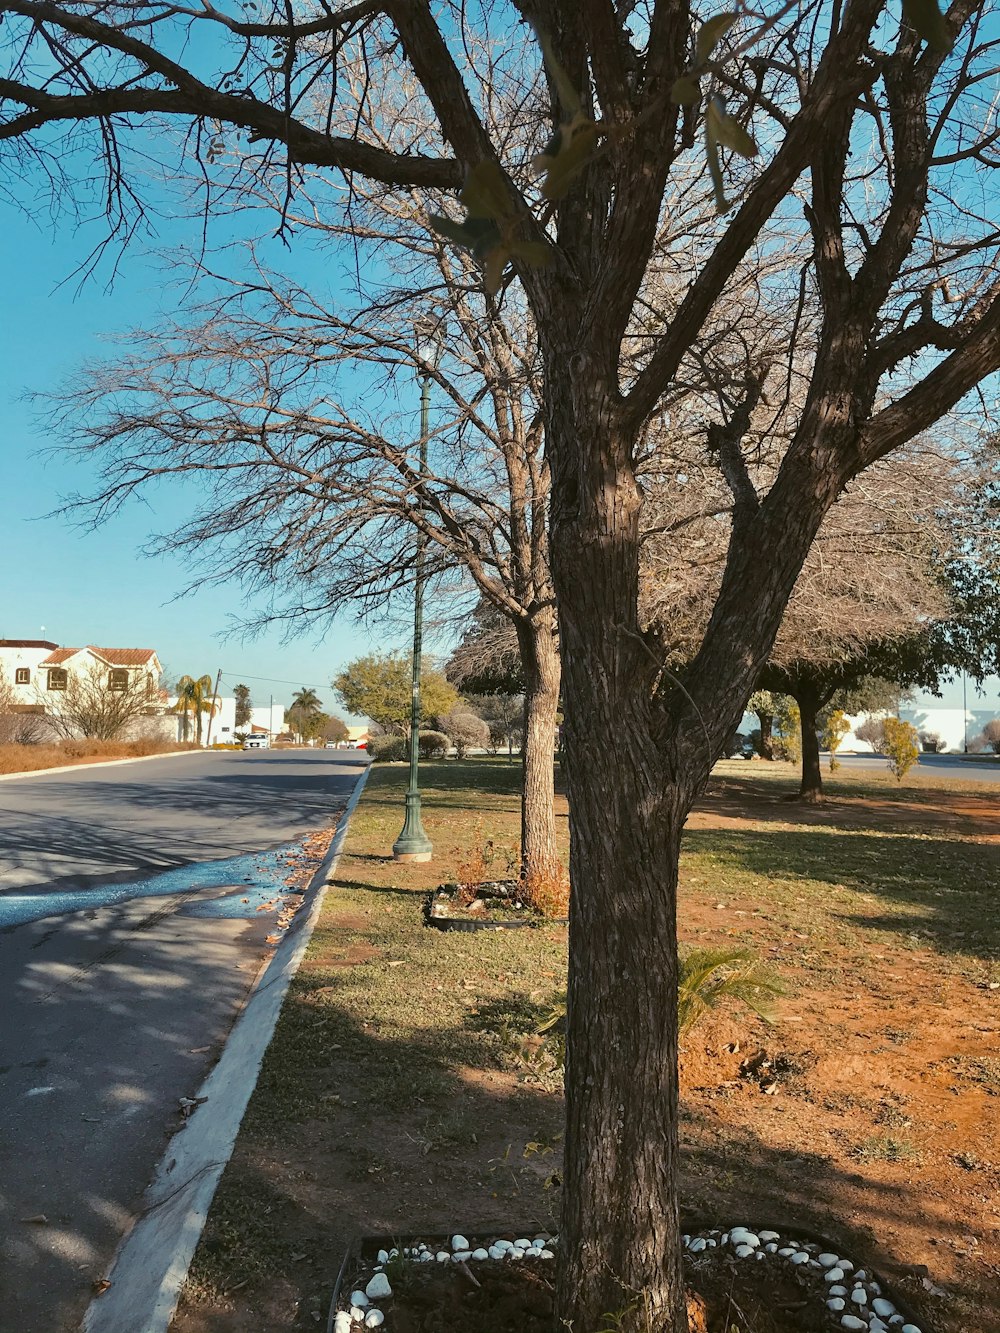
<point>33,758</point>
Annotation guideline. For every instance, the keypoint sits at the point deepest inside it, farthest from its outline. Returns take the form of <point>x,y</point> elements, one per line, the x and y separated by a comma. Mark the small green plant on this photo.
<point>886,1148</point>
<point>902,746</point>
<point>834,730</point>
<point>708,977</point>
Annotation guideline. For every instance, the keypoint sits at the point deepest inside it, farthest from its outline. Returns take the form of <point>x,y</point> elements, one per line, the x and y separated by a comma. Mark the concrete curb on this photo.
<point>151,1263</point>
<point>87,765</point>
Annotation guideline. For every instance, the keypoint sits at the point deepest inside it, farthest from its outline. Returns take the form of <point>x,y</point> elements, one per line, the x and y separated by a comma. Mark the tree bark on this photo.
<point>811,787</point>
<point>541,668</point>
<point>766,721</point>
<point>619,1233</point>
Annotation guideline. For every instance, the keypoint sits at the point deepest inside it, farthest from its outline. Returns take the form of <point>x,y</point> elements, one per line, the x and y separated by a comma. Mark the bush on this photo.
<point>902,746</point>
<point>931,742</point>
<point>991,735</point>
<point>835,728</point>
<point>872,730</point>
<point>433,744</point>
<point>388,749</point>
<point>467,730</point>
<point>547,891</point>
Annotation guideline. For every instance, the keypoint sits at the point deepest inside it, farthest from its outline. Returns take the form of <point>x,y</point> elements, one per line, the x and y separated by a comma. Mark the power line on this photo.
<point>273,680</point>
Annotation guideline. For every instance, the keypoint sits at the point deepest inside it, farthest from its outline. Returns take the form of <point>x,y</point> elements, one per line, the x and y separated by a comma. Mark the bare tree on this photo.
<point>862,125</point>
<point>99,705</point>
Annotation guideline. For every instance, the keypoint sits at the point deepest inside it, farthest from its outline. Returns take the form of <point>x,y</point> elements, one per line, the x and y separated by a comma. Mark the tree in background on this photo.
<point>380,686</point>
<point>835,728</point>
<point>466,729</point>
<point>194,696</point>
<point>334,729</point>
<point>305,716</point>
<point>868,126</point>
<point>244,706</point>
<point>503,714</point>
<point>763,705</point>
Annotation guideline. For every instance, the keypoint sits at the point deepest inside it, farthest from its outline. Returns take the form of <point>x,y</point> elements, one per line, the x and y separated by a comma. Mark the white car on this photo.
<point>256,743</point>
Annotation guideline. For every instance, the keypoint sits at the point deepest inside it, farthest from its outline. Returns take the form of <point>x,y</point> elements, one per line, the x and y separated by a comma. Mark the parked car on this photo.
<point>256,743</point>
<point>331,745</point>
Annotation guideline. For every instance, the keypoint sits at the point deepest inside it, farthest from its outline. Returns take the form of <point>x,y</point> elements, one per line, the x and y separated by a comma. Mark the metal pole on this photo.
<point>211,711</point>
<point>965,719</point>
<point>413,843</point>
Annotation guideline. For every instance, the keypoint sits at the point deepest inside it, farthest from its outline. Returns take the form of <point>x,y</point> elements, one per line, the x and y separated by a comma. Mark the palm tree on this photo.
<point>304,710</point>
<point>193,696</point>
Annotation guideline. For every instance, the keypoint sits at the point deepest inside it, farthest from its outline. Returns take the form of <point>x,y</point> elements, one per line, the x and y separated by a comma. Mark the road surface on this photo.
<point>947,767</point>
<point>129,936</point>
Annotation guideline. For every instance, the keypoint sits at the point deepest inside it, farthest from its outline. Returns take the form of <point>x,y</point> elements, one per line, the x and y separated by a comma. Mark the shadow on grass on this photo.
<point>392,1136</point>
<point>946,890</point>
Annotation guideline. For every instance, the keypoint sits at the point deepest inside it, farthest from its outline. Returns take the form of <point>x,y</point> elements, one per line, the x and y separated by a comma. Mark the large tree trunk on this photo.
<point>620,1238</point>
<point>811,787</point>
<point>541,669</point>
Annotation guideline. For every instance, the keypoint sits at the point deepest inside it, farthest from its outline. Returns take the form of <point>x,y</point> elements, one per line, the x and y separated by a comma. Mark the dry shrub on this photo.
<point>547,890</point>
<point>32,758</point>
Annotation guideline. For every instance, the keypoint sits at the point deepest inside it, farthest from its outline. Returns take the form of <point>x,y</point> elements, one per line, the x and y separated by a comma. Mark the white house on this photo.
<point>37,672</point>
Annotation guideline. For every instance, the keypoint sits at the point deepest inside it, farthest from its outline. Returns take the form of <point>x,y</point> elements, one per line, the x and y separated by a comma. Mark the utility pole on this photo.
<point>965,719</point>
<point>413,843</point>
<point>211,711</point>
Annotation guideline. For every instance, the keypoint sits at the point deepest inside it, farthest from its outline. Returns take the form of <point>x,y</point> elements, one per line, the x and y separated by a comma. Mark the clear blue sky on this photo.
<point>93,586</point>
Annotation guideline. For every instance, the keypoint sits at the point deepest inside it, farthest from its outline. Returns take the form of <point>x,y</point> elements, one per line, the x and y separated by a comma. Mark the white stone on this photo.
<point>539,1241</point>
<point>495,1252</point>
<point>533,1252</point>
<point>827,1260</point>
<point>834,1274</point>
<point>504,1245</point>
<point>422,1248</point>
<point>771,1248</point>
<point>744,1238</point>
<point>837,1290</point>
<point>547,1254</point>
<point>883,1307</point>
<point>787,1252</point>
<point>800,1258</point>
<point>359,1298</point>
<point>522,1244</point>
<point>712,1243</point>
<point>459,1243</point>
<point>876,1326</point>
<point>909,1328</point>
<point>859,1296</point>
<point>342,1323</point>
<point>859,1276</point>
<point>847,1266</point>
<point>698,1244</point>
<point>480,1254</point>
<point>836,1304</point>
<point>442,1256</point>
<point>357,1314</point>
<point>373,1318</point>
<point>849,1321</point>
<point>725,1238</point>
<point>383,1256</point>
<point>425,1258</point>
<point>744,1251</point>
<point>378,1288</point>
<point>462,1256</point>
<point>769,1235</point>
<point>515,1254</point>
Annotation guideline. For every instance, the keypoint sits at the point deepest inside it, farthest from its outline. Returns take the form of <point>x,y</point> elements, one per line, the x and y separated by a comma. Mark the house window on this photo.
<point>22,676</point>
<point>57,678</point>
<point>150,685</point>
<point>118,680</point>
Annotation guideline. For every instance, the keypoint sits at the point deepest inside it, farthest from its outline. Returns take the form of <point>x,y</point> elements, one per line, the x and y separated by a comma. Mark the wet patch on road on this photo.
<point>244,886</point>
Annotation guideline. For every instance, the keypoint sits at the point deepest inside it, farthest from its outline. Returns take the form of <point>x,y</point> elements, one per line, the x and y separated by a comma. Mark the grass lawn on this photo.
<point>400,1092</point>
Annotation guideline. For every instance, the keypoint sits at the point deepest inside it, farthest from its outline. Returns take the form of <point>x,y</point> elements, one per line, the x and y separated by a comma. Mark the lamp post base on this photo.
<point>413,843</point>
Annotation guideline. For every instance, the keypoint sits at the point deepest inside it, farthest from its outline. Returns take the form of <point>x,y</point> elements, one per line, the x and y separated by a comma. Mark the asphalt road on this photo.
<point>129,938</point>
<point>947,767</point>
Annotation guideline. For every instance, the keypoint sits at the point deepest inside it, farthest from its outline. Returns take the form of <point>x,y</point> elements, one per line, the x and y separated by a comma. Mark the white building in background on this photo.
<point>266,720</point>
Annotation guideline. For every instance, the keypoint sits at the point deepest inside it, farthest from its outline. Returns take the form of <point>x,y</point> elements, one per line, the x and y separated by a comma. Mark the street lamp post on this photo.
<point>413,843</point>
